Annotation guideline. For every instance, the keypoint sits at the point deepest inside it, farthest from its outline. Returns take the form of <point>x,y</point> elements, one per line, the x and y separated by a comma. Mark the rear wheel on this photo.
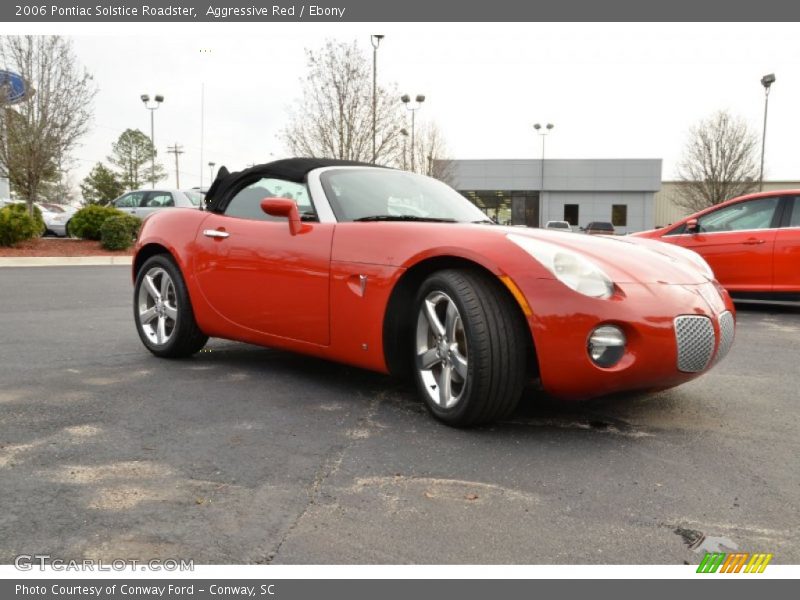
<point>163,312</point>
<point>470,348</point>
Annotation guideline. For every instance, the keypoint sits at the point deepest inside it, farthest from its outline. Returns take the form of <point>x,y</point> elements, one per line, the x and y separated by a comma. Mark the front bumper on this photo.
<point>674,333</point>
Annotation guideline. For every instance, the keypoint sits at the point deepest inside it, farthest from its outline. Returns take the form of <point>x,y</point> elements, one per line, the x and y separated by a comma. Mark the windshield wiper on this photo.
<point>404,218</point>
<point>484,221</point>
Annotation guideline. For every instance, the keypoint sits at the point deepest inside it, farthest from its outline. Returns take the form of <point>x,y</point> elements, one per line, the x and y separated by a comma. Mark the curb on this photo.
<point>64,261</point>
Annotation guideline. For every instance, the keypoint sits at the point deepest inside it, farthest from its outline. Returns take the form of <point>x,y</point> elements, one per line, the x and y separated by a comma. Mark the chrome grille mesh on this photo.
<point>695,337</point>
<point>726,332</point>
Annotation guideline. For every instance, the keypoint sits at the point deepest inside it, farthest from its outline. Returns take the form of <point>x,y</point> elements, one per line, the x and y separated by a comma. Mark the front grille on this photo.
<point>727,328</point>
<point>695,337</point>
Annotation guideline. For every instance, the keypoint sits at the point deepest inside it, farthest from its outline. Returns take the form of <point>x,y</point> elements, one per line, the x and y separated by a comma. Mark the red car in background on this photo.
<point>398,273</point>
<point>752,243</point>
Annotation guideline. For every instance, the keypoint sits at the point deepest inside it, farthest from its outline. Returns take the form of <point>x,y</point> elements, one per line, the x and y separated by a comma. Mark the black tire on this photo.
<point>66,229</point>
<point>493,339</point>
<point>184,336</point>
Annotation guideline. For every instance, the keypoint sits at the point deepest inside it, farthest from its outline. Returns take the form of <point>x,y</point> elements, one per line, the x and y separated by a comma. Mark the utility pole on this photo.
<point>176,150</point>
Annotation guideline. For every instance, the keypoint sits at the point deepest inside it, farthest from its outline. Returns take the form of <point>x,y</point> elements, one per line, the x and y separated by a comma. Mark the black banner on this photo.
<point>407,10</point>
<point>404,589</point>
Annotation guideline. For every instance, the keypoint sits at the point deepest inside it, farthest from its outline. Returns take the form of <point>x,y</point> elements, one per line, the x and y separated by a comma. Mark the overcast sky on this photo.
<point>612,91</point>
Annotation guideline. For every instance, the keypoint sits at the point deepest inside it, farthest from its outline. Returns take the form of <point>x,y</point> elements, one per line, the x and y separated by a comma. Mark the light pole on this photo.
<point>406,99</point>
<point>211,166</point>
<point>543,133</point>
<point>146,101</point>
<point>404,133</point>
<point>766,81</point>
<point>375,40</point>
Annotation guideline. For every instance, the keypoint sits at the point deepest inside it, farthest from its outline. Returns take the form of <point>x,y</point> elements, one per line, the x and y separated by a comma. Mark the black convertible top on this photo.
<point>291,169</point>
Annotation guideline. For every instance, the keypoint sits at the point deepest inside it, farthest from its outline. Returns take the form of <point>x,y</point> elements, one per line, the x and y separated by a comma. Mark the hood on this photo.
<point>624,259</point>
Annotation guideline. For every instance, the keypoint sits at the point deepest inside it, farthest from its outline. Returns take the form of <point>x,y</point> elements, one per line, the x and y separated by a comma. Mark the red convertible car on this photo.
<point>398,273</point>
<point>752,243</point>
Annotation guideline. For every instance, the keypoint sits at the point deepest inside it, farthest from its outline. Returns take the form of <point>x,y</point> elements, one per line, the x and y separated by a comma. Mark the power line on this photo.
<point>176,150</point>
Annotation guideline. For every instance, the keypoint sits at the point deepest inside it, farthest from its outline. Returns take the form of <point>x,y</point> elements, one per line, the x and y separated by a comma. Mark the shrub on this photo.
<point>86,223</point>
<point>118,232</point>
<point>17,225</point>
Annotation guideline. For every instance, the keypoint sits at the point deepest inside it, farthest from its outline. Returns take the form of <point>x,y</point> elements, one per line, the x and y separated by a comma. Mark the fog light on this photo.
<point>606,346</point>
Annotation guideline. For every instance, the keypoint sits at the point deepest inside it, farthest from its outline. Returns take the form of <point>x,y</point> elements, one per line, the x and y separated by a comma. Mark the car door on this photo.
<point>787,249</point>
<point>737,240</point>
<point>129,203</point>
<point>153,201</point>
<point>259,276</point>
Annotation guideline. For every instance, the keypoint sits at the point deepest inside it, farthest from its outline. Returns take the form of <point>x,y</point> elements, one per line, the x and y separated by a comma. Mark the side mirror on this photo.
<point>692,226</point>
<point>283,207</point>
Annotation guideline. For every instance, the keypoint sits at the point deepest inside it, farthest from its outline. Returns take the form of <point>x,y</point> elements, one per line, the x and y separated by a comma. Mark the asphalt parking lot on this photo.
<point>248,455</point>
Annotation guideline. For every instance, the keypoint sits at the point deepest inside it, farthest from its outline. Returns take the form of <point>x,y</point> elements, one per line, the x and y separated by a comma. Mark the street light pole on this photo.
<point>543,133</point>
<point>406,99</point>
<point>375,40</point>
<point>146,101</point>
<point>404,133</point>
<point>766,81</point>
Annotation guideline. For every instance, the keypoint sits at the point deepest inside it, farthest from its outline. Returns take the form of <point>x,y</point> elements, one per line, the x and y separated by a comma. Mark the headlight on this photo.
<point>572,269</point>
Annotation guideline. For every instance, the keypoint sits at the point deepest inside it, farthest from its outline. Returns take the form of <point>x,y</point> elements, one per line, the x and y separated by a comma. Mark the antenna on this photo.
<point>176,150</point>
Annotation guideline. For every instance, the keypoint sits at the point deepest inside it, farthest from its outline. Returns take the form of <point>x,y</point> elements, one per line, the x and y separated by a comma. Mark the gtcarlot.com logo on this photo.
<point>735,562</point>
<point>28,562</point>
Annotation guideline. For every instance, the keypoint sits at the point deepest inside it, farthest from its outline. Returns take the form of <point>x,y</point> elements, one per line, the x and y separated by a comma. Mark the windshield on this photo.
<point>196,198</point>
<point>384,194</point>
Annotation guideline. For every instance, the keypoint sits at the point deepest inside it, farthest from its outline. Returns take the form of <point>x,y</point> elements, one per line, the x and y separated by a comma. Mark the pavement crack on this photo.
<point>330,465</point>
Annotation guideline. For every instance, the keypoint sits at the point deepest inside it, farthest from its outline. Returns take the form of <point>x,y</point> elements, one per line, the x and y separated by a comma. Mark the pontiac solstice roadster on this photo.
<point>398,273</point>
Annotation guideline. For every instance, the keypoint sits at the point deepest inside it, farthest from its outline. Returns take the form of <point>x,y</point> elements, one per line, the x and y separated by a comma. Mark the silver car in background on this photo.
<point>562,225</point>
<point>56,218</point>
<point>141,203</point>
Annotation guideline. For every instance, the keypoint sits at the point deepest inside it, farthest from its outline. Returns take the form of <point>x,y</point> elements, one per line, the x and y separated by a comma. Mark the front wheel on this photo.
<point>162,310</point>
<point>470,348</point>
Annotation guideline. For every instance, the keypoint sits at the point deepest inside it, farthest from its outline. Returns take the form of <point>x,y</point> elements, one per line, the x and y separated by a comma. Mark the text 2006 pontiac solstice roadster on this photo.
<point>396,272</point>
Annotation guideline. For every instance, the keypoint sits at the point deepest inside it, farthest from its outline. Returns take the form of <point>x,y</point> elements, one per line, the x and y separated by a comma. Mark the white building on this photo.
<point>525,192</point>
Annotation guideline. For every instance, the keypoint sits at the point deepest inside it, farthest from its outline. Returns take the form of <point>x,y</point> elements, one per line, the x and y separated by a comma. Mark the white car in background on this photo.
<point>56,217</point>
<point>561,225</point>
<point>141,203</point>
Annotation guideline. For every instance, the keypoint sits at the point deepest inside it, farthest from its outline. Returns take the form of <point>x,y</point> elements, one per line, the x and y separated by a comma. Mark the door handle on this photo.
<point>215,233</point>
<point>753,242</point>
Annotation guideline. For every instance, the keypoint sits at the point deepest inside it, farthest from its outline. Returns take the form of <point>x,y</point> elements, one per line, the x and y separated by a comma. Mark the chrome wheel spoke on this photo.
<point>147,315</point>
<point>428,359</point>
<point>171,312</point>
<point>451,321</point>
<point>161,330</point>
<point>433,319</point>
<point>150,286</point>
<point>459,364</point>
<point>445,385</point>
<point>166,282</point>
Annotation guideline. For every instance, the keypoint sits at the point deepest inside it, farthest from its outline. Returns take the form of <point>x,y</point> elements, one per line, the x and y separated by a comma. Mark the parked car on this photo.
<point>144,202</point>
<point>318,256</point>
<point>752,242</point>
<point>56,218</point>
<point>599,228</point>
<point>562,225</point>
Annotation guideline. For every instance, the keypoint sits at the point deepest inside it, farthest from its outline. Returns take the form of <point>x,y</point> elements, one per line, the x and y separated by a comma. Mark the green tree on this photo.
<point>40,131</point>
<point>101,186</point>
<point>131,154</point>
